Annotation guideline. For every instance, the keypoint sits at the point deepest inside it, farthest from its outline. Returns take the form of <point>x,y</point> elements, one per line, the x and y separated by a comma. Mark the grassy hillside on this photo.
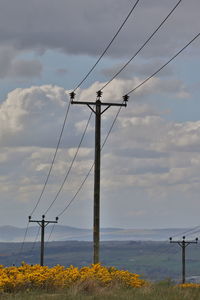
<point>154,292</point>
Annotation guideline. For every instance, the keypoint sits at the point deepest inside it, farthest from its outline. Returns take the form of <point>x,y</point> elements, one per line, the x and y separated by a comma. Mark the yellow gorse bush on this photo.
<point>189,285</point>
<point>27,277</point>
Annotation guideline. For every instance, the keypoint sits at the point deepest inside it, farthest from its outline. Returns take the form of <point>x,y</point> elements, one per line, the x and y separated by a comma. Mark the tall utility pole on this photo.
<point>183,244</point>
<point>42,223</point>
<point>97,167</point>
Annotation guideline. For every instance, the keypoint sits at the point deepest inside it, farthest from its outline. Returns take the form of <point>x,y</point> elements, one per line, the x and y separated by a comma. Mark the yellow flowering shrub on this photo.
<point>27,277</point>
<point>189,285</point>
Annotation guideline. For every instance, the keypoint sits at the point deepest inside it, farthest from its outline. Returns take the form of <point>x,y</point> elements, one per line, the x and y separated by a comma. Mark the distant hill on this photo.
<point>67,233</point>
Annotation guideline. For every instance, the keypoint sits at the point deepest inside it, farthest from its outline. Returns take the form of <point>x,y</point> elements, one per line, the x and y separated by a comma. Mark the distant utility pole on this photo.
<point>42,223</point>
<point>98,112</point>
<point>183,244</point>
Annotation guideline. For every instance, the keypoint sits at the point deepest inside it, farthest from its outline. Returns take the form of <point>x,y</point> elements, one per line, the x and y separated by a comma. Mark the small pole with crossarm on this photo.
<point>42,223</point>
<point>97,166</point>
<point>183,244</point>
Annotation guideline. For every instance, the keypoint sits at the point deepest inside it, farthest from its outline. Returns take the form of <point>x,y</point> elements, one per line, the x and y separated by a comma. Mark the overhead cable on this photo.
<point>35,240</point>
<point>66,115</point>
<point>22,244</point>
<point>138,51</point>
<point>51,232</point>
<point>187,232</point>
<point>163,66</point>
<point>108,46</point>
<point>90,170</point>
<point>71,165</point>
<point>119,108</point>
<point>53,160</point>
<point>151,76</point>
<point>116,116</point>
<point>110,43</point>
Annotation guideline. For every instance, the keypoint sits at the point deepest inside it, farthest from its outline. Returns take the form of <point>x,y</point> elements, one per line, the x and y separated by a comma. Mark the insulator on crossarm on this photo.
<point>72,96</point>
<point>99,94</point>
<point>125,98</point>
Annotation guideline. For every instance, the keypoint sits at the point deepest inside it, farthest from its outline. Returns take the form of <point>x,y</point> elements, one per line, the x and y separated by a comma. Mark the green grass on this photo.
<point>159,291</point>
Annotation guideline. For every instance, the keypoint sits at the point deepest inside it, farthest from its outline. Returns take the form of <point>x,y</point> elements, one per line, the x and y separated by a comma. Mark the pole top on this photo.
<point>170,238</point>
<point>196,239</point>
<point>56,219</point>
<point>43,216</point>
<point>29,217</point>
<point>183,237</point>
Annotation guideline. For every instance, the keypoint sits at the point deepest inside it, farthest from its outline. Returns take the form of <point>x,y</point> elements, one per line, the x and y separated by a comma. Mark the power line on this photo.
<point>163,66</point>
<point>150,37</point>
<point>110,43</point>
<point>52,229</point>
<point>142,83</point>
<point>22,244</point>
<point>75,195</point>
<point>108,46</point>
<point>48,175</point>
<point>126,19</point>
<point>59,140</point>
<point>186,231</point>
<point>118,31</point>
<point>66,115</point>
<point>71,165</point>
<point>118,113</point>
<point>192,233</point>
<point>35,241</point>
<point>90,170</point>
<point>53,160</point>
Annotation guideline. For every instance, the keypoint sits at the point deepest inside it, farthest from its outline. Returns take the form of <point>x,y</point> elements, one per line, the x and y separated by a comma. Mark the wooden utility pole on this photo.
<point>97,166</point>
<point>42,223</point>
<point>183,244</point>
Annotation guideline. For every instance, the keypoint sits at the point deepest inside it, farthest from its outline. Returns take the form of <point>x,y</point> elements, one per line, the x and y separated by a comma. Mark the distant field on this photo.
<point>154,260</point>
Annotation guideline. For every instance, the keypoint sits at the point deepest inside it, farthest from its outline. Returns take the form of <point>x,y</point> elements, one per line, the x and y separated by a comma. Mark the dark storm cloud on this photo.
<point>12,67</point>
<point>86,26</point>
<point>23,68</point>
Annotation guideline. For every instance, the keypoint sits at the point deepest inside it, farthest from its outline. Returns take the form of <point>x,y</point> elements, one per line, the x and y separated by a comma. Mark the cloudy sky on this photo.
<point>151,161</point>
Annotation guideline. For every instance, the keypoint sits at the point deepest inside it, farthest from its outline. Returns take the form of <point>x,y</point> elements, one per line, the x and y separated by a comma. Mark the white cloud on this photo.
<point>144,152</point>
<point>28,114</point>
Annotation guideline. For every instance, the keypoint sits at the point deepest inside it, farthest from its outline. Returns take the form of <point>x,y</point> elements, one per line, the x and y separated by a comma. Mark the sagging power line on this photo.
<point>157,72</point>
<point>163,66</point>
<point>140,49</point>
<point>117,114</point>
<point>53,160</point>
<point>48,175</point>
<point>70,167</point>
<point>101,56</point>
<point>108,46</point>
